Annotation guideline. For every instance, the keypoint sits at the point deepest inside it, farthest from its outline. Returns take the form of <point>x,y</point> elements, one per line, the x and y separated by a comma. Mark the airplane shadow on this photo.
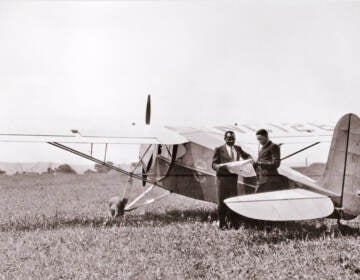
<point>132,220</point>
<point>257,231</point>
<point>275,232</point>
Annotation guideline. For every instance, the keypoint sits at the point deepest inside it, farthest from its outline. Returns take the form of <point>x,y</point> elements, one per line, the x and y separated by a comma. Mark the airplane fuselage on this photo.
<point>189,173</point>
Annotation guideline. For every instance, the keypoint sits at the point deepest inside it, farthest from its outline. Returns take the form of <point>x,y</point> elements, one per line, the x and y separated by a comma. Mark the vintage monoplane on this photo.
<point>178,159</point>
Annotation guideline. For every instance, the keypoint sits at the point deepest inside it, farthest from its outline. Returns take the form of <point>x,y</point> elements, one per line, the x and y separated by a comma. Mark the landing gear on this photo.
<point>131,206</point>
<point>339,224</point>
<point>118,205</point>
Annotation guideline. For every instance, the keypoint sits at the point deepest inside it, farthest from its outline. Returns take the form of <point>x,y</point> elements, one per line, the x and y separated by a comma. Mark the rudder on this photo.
<point>342,171</point>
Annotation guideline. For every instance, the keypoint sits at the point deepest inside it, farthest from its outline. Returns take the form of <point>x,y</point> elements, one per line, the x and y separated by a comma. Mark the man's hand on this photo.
<point>216,166</point>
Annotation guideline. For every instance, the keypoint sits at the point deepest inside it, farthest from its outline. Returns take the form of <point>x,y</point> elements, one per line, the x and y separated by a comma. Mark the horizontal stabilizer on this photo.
<point>285,205</point>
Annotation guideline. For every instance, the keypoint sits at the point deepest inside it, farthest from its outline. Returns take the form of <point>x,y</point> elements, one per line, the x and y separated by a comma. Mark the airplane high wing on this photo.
<point>292,141</point>
<point>245,134</point>
<point>144,134</point>
<point>122,135</point>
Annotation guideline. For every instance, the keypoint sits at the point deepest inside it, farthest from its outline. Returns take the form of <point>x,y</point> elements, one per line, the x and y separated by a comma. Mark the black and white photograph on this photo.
<point>179,139</point>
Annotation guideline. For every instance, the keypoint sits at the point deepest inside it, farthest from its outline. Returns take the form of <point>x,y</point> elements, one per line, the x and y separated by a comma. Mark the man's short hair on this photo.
<point>229,132</point>
<point>262,132</point>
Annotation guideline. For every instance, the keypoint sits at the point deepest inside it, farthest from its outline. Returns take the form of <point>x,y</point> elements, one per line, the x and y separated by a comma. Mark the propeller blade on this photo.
<point>148,110</point>
<point>144,176</point>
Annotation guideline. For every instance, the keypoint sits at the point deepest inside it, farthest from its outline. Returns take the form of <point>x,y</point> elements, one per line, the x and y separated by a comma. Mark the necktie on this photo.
<point>232,154</point>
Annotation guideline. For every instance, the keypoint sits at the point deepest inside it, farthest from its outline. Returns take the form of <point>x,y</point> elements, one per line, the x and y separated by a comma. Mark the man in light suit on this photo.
<point>267,164</point>
<point>226,182</point>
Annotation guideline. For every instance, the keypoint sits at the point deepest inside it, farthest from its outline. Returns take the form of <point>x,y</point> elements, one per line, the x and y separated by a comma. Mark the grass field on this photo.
<point>55,227</point>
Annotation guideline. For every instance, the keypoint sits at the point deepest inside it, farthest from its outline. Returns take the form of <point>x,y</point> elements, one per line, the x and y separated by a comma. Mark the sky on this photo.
<point>89,64</point>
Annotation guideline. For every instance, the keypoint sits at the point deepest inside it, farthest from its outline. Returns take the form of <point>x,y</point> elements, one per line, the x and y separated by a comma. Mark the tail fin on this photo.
<point>342,171</point>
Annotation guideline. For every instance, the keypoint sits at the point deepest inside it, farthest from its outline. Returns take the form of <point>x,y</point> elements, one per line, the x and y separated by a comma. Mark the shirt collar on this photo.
<point>228,147</point>
<point>267,143</point>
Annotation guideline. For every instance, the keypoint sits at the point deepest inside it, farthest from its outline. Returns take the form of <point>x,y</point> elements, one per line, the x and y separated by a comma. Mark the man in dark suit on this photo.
<point>267,164</point>
<point>226,182</point>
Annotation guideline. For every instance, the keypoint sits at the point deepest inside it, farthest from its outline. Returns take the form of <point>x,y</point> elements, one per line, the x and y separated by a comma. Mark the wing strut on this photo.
<point>120,170</point>
<point>128,208</point>
<point>299,151</point>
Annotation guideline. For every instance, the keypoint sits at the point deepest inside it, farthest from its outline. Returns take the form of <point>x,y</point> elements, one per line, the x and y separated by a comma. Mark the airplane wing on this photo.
<point>293,141</point>
<point>245,135</point>
<point>282,133</point>
<point>285,205</point>
<point>122,135</point>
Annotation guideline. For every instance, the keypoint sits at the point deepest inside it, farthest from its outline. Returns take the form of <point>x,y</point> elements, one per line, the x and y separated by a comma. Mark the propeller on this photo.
<point>148,110</point>
<point>147,121</point>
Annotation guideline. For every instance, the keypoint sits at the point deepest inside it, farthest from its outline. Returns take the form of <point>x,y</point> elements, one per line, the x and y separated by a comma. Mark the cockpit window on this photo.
<point>167,151</point>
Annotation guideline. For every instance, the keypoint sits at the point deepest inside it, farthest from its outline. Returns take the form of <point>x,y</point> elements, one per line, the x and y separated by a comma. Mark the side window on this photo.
<point>166,151</point>
<point>181,151</point>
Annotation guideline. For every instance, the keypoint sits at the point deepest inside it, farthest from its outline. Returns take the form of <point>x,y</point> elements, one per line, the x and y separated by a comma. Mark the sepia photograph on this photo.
<point>179,139</point>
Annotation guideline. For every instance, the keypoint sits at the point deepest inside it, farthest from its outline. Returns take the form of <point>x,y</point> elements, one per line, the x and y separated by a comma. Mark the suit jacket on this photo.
<point>268,162</point>
<point>221,156</point>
